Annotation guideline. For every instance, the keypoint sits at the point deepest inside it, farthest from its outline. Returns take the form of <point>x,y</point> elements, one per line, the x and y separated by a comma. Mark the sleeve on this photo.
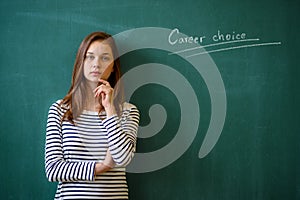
<point>57,169</point>
<point>122,135</point>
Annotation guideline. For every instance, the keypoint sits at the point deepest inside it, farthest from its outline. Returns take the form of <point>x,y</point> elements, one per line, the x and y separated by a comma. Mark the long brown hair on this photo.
<point>75,98</point>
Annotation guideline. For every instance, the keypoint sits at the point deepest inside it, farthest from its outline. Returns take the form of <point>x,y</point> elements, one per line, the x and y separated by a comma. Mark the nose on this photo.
<point>96,63</point>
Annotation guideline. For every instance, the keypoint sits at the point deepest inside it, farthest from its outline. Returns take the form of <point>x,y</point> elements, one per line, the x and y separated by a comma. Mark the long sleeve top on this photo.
<point>72,150</point>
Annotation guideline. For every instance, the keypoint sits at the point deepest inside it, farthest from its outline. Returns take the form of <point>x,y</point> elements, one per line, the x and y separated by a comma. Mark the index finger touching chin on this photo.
<point>104,82</point>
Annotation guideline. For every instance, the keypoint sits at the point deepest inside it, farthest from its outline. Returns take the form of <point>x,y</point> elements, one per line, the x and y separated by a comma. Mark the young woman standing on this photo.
<point>91,133</point>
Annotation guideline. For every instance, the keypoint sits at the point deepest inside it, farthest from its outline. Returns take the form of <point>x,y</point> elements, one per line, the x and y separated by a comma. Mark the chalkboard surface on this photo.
<point>217,86</point>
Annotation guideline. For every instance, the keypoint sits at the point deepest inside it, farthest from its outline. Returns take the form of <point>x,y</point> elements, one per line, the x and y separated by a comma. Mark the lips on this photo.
<point>95,73</point>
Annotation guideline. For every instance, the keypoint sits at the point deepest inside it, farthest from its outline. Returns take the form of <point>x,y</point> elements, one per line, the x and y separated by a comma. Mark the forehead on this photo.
<point>99,47</point>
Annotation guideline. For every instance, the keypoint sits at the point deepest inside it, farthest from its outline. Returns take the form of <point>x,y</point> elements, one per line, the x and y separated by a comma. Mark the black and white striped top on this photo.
<point>71,152</point>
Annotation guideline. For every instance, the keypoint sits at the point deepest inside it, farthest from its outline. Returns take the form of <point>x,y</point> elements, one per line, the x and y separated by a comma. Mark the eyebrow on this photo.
<point>101,54</point>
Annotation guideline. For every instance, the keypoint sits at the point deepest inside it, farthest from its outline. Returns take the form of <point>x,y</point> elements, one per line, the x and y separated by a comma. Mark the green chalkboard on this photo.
<point>216,83</point>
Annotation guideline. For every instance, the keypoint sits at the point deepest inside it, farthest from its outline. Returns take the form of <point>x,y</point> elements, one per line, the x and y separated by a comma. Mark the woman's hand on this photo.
<point>106,165</point>
<point>100,168</point>
<point>106,93</point>
<point>108,161</point>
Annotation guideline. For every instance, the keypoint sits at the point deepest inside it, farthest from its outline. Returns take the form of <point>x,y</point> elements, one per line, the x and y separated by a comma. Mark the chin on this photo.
<point>92,81</point>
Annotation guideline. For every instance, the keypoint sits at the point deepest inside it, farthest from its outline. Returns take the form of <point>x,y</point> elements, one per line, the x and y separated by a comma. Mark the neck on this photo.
<point>91,103</point>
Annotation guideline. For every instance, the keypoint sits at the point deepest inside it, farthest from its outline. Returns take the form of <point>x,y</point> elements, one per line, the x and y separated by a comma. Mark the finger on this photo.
<point>97,94</point>
<point>103,96</point>
<point>105,90</point>
<point>100,87</point>
<point>98,91</point>
<point>104,82</point>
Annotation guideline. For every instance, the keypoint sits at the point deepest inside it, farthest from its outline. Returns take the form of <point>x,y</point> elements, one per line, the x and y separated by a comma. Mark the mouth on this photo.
<point>95,73</point>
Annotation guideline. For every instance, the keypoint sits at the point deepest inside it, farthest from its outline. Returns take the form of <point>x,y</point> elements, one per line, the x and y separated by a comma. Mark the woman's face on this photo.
<point>98,62</point>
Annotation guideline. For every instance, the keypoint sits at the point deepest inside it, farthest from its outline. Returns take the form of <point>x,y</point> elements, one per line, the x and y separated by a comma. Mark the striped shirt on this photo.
<point>71,152</point>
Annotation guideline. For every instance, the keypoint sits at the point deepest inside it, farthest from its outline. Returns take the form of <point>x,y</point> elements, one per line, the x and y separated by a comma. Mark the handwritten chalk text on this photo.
<point>175,38</point>
<point>217,39</point>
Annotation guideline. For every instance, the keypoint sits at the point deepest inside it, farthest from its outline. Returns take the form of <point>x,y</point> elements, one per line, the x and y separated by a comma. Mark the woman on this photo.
<point>91,133</point>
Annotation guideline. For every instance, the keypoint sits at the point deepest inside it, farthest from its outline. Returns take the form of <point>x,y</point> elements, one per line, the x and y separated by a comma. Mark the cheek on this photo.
<point>85,70</point>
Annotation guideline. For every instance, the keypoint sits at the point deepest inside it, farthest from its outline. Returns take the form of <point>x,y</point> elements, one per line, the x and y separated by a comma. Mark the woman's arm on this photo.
<point>122,134</point>
<point>57,169</point>
<point>107,164</point>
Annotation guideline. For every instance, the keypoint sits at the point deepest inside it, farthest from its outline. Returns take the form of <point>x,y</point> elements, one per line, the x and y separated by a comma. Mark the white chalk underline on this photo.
<point>225,49</point>
<point>210,45</point>
<point>236,47</point>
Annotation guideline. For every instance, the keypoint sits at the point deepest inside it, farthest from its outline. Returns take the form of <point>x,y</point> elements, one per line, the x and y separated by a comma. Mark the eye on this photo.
<point>106,58</point>
<point>90,57</point>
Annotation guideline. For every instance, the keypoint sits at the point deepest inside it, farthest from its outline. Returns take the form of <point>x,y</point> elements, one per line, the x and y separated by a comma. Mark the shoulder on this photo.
<point>129,107</point>
<point>56,107</point>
